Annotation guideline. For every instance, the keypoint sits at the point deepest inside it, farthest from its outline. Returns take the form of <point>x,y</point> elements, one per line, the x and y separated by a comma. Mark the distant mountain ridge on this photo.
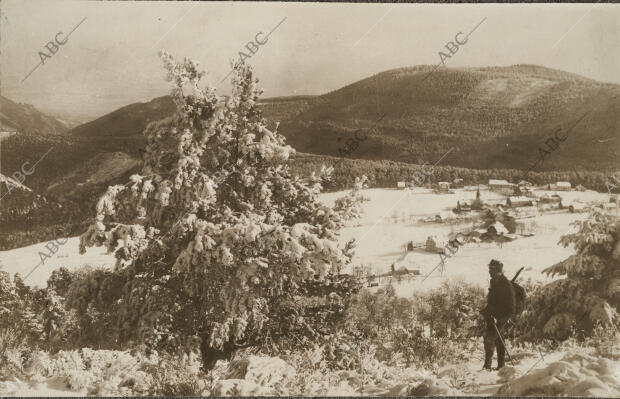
<point>129,120</point>
<point>493,117</point>
<point>26,119</point>
<point>488,118</point>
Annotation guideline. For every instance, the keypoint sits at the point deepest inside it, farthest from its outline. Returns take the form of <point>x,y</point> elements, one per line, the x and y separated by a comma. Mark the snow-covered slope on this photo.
<point>572,371</point>
<point>381,242</point>
<point>25,260</point>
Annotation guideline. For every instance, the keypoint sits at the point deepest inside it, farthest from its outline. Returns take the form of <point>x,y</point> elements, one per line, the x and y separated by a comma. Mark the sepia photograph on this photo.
<point>309,199</point>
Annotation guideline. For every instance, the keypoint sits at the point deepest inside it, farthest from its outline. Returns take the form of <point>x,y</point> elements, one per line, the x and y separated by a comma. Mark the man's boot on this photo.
<point>488,356</point>
<point>501,353</point>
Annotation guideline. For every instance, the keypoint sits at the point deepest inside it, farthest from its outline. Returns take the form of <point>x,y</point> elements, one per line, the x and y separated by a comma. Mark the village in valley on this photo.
<point>447,230</point>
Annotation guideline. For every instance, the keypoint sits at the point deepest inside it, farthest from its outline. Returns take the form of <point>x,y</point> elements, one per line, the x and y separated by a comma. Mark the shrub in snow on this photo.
<point>349,206</point>
<point>20,326</point>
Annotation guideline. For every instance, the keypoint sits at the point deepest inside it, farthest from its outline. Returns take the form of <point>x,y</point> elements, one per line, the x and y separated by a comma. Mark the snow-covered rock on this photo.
<point>254,375</point>
<point>237,387</point>
<point>434,387</point>
<point>342,389</point>
<point>430,386</point>
<point>507,373</point>
<point>576,374</point>
<point>264,371</point>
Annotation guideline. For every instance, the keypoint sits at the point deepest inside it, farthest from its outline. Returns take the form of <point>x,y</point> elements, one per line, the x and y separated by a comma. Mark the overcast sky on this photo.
<point>111,59</point>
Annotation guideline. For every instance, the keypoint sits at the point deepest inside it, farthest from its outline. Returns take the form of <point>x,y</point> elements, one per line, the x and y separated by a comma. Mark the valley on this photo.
<point>391,218</point>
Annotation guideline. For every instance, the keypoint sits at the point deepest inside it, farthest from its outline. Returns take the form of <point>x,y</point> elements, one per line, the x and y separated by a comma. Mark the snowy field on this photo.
<point>24,260</point>
<point>381,241</point>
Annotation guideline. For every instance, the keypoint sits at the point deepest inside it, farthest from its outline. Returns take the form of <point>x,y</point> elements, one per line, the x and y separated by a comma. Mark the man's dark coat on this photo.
<point>501,302</point>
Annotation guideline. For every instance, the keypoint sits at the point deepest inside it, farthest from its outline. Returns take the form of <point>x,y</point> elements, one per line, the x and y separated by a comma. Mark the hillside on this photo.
<point>100,170</point>
<point>126,121</point>
<point>26,119</point>
<point>17,202</point>
<point>494,117</point>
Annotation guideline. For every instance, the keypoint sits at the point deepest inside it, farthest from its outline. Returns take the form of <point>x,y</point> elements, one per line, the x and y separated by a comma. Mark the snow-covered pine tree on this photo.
<point>590,293</point>
<point>350,206</point>
<point>214,182</point>
<point>19,321</point>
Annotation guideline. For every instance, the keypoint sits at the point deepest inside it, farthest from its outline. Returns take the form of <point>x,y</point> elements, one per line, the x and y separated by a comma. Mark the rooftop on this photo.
<point>499,182</point>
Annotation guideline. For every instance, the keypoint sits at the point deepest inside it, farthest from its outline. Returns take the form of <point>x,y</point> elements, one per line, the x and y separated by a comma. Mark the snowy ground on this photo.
<point>573,371</point>
<point>25,260</point>
<point>381,241</point>
<point>576,371</point>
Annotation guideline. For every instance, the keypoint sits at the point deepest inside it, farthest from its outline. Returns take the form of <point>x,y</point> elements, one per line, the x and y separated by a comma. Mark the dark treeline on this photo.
<point>35,221</point>
<point>65,154</point>
<point>387,173</point>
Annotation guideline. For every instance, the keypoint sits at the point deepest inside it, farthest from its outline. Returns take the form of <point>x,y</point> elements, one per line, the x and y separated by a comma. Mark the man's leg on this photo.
<point>490,337</point>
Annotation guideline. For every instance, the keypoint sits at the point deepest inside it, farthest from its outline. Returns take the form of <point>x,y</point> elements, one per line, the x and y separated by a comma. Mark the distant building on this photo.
<point>444,186</point>
<point>458,183</point>
<point>402,270</point>
<point>546,199</point>
<point>576,207</point>
<point>501,186</point>
<point>563,186</point>
<point>401,184</point>
<point>523,190</point>
<point>494,183</point>
<point>445,216</point>
<point>515,202</point>
<point>477,204</point>
<point>497,228</point>
<point>463,206</point>
<point>431,245</point>
<point>609,206</point>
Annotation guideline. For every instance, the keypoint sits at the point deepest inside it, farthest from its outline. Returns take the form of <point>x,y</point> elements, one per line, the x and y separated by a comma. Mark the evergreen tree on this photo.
<point>590,293</point>
<point>349,206</point>
<point>214,181</point>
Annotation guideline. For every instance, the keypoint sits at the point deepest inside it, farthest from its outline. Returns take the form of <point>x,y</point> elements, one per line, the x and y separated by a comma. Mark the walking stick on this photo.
<point>503,343</point>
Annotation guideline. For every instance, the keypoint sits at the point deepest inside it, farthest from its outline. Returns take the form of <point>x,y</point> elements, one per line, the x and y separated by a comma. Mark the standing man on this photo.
<point>501,305</point>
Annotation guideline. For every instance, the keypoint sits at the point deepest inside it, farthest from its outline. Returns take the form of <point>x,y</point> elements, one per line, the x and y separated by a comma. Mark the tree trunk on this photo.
<point>211,355</point>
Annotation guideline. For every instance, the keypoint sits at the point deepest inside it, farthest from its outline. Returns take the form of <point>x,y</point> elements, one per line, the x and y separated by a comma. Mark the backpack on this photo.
<point>519,298</point>
<point>519,294</point>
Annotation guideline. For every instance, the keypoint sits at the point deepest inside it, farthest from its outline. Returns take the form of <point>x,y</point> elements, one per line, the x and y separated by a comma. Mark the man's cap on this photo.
<point>496,265</point>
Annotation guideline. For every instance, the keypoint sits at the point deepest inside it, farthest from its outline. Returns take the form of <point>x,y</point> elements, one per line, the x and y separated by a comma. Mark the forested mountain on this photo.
<point>493,117</point>
<point>26,119</point>
<point>127,121</point>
